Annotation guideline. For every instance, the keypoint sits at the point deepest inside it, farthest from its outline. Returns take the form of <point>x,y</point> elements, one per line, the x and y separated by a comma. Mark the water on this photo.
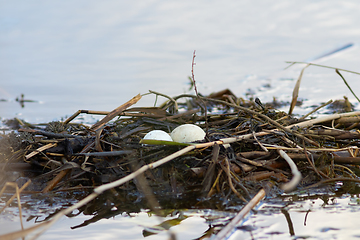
<point>307,216</point>
<point>95,55</point>
<point>316,217</point>
<point>91,55</point>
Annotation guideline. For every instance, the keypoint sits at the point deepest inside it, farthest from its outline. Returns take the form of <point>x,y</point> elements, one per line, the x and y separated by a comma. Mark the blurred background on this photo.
<point>96,55</point>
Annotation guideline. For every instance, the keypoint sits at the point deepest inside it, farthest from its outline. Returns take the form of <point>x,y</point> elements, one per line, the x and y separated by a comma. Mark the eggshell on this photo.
<point>158,135</point>
<point>187,133</point>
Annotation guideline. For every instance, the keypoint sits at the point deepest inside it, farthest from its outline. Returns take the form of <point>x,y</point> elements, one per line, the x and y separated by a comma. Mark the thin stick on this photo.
<point>17,195</point>
<point>337,71</point>
<point>227,171</point>
<point>78,112</point>
<point>235,221</point>
<point>40,149</point>
<point>351,173</point>
<point>258,142</point>
<point>12,198</point>
<point>168,97</point>
<point>287,187</point>
<point>316,109</point>
<point>115,112</point>
<point>50,185</point>
<point>324,66</point>
<point>341,179</point>
<point>215,183</point>
<point>192,73</point>
<point>312,164</point>
<point>197,94</point>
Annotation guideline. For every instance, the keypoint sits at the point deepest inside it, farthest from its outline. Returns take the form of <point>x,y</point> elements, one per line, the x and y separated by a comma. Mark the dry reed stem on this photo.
<point>18,191</point>
<point>316,109</point>
<point>115,112</point>
<point>351,173</point>
<point>78,112</point>
<point>17,195</point>
<point>272,147</point>
<point>40,149</point>
<point>244,211</point>
<point>324,66</point>
<point>50,185</point>
<point>216,182</point>
<point>168,97</point>
<point>287,187</point>
<point>312,164</point>
<point>206,183</point>
<point>197,94</point>
<point>340,179</point>
<point>337,71</point>
<point>228,173</point>
<point>296,90</point>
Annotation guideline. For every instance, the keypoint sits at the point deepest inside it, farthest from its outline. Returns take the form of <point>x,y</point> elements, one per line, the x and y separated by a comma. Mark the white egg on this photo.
<point>187,133</point>
<point>158,135</point>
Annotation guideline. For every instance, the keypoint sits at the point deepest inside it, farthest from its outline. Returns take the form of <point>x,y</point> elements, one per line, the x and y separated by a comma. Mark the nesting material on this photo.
<point>158,135</point>
<point>187,133</point>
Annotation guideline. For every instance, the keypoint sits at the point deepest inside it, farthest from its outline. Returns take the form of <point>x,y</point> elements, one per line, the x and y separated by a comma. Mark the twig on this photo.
<point>115,112</point>
<point>168,97</point>
<point>192,73</point>
<point>105,154</point>
<point>287,187</point>
<point>337,71</point>
<point>197,94</point>
<point>324,66</point>
<point>312,164</point>
<point>51,184</point>
<point>215,183</point>
<point>17,195</point>
<point>235,221</point>
<point>40,149</point>
<point>351,173</point>
<point>258,142</point>
<point>228,173</point>
<point>333,180</point>
<point>316,109</point>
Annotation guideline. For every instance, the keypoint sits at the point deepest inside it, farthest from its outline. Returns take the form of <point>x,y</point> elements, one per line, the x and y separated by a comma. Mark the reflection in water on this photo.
<point>310,216</point>
<point>289,222</point>
<point>326,216</point>
<point>307,213</point>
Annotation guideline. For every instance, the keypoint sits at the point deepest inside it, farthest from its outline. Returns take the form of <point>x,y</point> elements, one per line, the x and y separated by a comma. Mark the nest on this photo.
<point>247,147</point>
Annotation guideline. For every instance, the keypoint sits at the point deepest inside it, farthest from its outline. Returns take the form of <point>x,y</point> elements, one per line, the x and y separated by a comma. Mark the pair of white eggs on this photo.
<point>184,134</point>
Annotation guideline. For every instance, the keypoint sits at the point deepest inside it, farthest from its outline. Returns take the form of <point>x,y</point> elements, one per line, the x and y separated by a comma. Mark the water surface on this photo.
<point>91,55</point>
<point>88,54</point>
